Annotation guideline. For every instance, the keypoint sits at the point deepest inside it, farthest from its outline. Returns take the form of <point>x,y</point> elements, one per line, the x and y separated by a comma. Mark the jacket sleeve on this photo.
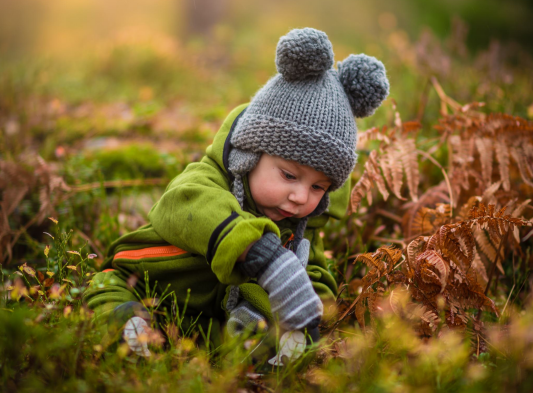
<point>317,269</point>
<point>199,214</point>
<point>107,291</point>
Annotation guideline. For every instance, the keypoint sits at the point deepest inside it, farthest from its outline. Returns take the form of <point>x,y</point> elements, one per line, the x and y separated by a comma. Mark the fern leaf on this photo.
<point>369,260</point>
<point>502,155</point>
<point>414,248</point>
<point>434,259</point>
<point>372,167</point>
<point>391,166</point>
<point>479,269</point>
<point>484,147</point>
<point>525,170</point>
<point>409,161</point>
<point>360,190</point>
<point>487,248</point>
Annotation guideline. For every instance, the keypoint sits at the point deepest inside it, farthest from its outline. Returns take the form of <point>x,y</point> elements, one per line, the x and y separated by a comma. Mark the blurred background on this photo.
<point>110,90</point>
<point>177,65</point>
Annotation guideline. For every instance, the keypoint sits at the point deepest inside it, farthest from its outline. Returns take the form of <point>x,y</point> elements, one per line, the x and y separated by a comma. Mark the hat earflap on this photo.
<point>240,163</point>
<point>365,83</point>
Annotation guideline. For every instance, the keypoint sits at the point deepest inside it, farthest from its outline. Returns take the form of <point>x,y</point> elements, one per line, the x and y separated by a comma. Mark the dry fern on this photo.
<point>386,166</point>
<point>444,271</point>
<point>16,183</point>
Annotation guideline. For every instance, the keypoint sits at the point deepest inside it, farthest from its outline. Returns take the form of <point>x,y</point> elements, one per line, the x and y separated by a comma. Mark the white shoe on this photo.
<point>135,327</point>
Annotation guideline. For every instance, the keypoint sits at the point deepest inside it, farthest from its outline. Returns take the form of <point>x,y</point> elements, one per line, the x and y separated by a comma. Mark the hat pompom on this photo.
<point>365,82</point>
<point>304,53</point>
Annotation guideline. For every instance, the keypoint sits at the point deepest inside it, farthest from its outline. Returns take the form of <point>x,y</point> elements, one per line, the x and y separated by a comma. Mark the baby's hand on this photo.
<point>280,272</point>
<point>245,317</point>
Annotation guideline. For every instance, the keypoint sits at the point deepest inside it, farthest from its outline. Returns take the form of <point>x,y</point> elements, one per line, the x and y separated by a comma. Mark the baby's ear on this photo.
<point>365,83</point>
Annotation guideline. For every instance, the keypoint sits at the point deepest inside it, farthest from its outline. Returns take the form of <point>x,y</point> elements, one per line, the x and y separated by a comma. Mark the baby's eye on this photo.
<point>288,176</point>
<point>317,188</point>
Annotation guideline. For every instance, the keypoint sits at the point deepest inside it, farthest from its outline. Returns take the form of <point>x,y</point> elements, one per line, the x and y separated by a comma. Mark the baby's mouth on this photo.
<point>285,213</point>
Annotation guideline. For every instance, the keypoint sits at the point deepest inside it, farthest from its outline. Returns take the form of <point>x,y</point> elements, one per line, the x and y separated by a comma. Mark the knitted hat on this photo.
<point>306,112</point>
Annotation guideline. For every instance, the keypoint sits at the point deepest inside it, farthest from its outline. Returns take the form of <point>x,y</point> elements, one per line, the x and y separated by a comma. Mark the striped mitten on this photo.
<point>280,273</point>
<point>245,317</point>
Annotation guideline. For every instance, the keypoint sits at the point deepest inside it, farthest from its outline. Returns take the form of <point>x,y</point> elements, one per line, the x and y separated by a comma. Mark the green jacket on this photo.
<point>199,215</point>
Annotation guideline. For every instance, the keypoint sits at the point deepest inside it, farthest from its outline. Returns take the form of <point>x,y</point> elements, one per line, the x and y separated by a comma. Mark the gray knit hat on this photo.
<point>306,112</point>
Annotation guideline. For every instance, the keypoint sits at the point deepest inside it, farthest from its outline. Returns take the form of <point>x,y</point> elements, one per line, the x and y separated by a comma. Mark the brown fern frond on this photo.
<point>503,157</point>
<point>516,213</point>
<point>488,196</point>
<point>411,126</point>
<point>372,167</point>
<point>450,247</point>
<point>427,220</point>
<point>484,147</point>
<point>479,269</point>
<point>487,248</point>
<point>373,300</point>
<point>436,260</point>
<point>363,187</point>
<point>391,254</point>
<point>431,197</point>
<point>391,166</point>
<point>414,248</point>
<point>467,242</point>
<point>526,172</point>
<point>518,210</point>
<point>464,211</point>
<point>407,149</point>
<point>374,133</point>
<point>360,312</point>
<point>507,124</point>
<point>431,318</point>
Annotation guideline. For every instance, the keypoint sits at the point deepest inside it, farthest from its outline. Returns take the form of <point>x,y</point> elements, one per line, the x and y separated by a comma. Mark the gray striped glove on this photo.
<point>280,273</point>
<point>245,317</point>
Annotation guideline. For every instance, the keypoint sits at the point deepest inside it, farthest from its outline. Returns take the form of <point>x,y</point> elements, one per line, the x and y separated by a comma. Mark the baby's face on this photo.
<point>283,188</point>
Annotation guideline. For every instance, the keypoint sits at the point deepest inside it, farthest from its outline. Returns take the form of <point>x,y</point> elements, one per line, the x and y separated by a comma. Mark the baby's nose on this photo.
<point>299,195</point>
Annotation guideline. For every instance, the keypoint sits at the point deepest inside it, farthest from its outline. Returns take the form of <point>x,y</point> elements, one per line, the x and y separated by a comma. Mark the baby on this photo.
<point>236,236</point>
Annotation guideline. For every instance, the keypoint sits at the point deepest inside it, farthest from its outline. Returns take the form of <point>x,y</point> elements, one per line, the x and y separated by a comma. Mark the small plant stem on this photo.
<point>91,243</point>
<point>78,349</point>
<point>507,302</point>
<point>388,240</point>
<point>119,184</point>
<point>493,267</point>
<point>444,98</point>
<point>256,385</point>
<point>446,179</point>
<point>390,215</point>
<point>423,101</point>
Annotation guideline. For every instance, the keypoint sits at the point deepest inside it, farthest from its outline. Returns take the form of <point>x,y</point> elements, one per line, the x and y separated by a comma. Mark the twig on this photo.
<point>423,101</point>
<point>344,331</point>
<point>448,184</point>
<point>444,98</point>
<point>260,386</point>
<point>390,215</point>
<point>387,240</point>
<point>507,302</point>
<point>91,243</point>
<point>119,184</point>
<point>493,267</point>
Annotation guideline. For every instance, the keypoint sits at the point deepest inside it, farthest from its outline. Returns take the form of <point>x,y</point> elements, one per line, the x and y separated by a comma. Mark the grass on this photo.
<point>142,111</point>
